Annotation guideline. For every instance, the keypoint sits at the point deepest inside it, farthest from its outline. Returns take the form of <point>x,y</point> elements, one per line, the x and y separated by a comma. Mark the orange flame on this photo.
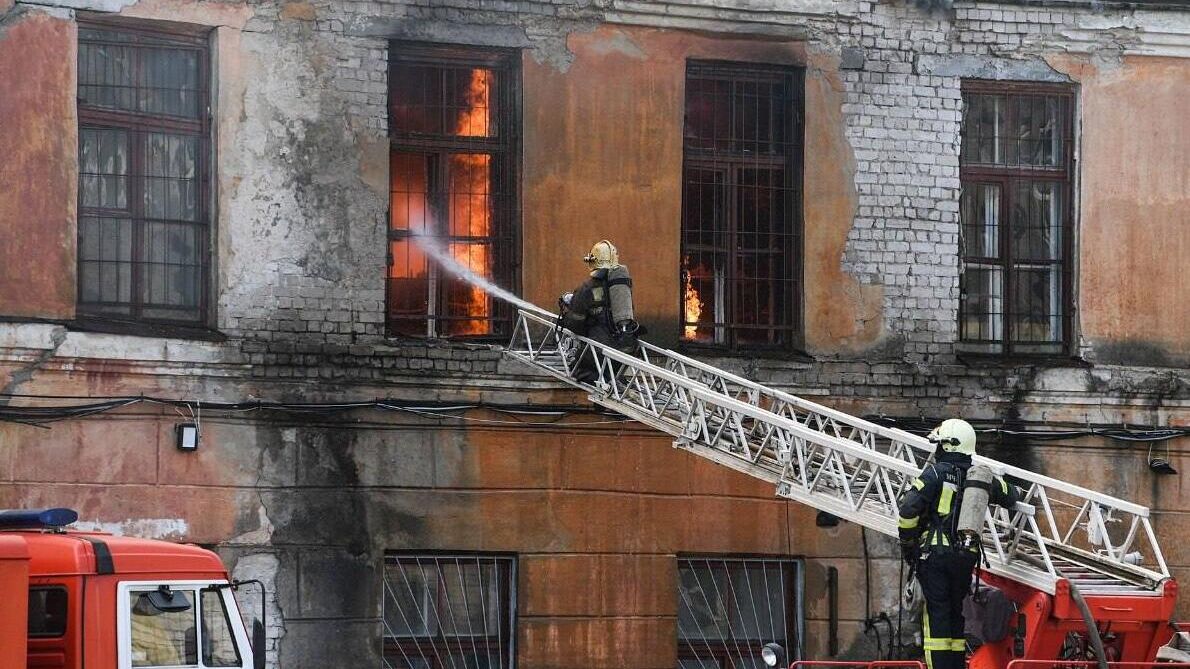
<point>693,307</point>
<point>471,208</point>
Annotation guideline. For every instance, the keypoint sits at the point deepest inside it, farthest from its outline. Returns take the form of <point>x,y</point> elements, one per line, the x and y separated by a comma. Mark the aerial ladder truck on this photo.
<point>1064,554</point>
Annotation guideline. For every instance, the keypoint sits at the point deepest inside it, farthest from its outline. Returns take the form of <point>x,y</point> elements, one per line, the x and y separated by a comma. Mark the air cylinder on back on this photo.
<point>977,494</point>
<point>620,294</point>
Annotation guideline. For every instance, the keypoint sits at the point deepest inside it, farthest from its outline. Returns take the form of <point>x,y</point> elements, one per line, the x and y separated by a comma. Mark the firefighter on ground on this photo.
<point>931,543</point>
<point>601,308</point>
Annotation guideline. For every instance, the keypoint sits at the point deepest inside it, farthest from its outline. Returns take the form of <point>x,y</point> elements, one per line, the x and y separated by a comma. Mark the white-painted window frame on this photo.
<point>124,620</point>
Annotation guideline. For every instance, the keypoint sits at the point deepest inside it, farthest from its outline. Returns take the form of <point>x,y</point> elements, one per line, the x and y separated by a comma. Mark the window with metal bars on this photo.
<point>729,608</point>
<point>741,206</point>
<point>143,224</point>
<point>453,611</point>
<point>454,129</point>
<point>1017,166</point>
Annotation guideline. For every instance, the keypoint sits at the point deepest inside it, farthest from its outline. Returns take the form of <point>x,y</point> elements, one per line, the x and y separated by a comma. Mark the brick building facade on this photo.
<point>284,275</point>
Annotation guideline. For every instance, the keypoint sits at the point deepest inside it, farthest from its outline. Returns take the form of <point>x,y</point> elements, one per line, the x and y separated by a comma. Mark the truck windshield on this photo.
<point>176,638</point>
<point>162,638</point>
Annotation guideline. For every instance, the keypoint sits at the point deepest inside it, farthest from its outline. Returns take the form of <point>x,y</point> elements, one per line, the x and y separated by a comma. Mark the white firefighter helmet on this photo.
<point>955,436</point>
<point>602,256</point>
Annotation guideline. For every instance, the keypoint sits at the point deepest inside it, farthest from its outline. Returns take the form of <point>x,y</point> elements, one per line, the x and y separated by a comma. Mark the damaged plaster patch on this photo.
<point>145,528</point>
<point>985,67</point>
<point>619,43</point>
<point>263,567</point>
<point>24,374</point>
<point>86,5</point>
<point>262,535</point>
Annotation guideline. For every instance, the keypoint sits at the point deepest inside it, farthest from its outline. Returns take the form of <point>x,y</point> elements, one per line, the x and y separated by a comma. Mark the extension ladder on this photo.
<point>849,467</point>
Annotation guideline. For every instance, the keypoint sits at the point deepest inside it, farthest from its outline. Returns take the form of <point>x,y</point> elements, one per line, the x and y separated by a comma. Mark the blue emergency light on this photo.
<point>24,519</point>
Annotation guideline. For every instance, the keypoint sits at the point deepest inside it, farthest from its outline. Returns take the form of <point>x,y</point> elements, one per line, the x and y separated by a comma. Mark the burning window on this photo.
<point>451,167</point>
<point>741,205</point>
<point>1016,166</point>
<point>143,225</point>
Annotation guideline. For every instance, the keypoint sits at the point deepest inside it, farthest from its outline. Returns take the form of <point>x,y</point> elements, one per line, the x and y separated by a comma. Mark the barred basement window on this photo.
<point>144,222</point>
<point>1017,164</point>
<point>449,611</point>
<point>729,608</point>
<point>741,206</point>
<point>453,124</point>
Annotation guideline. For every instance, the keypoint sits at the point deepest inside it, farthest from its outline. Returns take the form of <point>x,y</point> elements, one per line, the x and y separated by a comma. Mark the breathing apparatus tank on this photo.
<point>619,294</point>
<point>977,494</point>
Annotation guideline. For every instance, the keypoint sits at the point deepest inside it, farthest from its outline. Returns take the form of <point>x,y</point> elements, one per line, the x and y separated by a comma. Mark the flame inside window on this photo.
<point>446,195</point>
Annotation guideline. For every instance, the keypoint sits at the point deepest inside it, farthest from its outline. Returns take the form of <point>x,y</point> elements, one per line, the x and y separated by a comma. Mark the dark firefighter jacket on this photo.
<point>591,314</point>
<point>929,510</point>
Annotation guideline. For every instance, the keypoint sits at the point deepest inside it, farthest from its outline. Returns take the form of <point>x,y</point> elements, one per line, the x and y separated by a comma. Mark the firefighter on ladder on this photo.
<point>931,542</point>
<point>601,308</point>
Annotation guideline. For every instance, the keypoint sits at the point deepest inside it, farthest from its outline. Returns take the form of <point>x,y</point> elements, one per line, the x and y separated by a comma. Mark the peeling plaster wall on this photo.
<point>39,170</point>
<point>597,514</point>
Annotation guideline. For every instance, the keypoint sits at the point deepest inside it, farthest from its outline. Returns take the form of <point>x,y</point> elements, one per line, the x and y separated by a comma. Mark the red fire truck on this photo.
<point>87,599</point>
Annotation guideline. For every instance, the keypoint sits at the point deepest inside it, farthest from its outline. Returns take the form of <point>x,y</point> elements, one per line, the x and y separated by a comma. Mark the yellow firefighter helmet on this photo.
<point>602,256</point>
<point>955,436</point>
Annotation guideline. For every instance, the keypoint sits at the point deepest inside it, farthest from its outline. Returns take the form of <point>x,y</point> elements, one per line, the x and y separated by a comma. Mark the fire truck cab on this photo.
<point>88,599</point>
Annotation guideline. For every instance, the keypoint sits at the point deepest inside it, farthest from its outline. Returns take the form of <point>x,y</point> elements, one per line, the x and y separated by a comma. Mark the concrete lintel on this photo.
<point>445,32</point>
<point>721,27</point>
<point>988,67</point>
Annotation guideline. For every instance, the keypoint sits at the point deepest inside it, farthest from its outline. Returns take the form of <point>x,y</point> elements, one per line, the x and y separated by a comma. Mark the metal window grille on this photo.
<point>1016,165</point>
<point>729,608</point>
<point>143,226</point>
<point>454,133</point>
<point>741,206</point>
<point>449,611</point>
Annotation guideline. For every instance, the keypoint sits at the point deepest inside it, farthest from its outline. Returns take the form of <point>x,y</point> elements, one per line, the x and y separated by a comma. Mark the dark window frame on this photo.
<point>505,151</point>
<point>1006,177</point>
<point>433,648</point>
<point>156,34</point>
<point>732,162</point>
<point>728,650</point>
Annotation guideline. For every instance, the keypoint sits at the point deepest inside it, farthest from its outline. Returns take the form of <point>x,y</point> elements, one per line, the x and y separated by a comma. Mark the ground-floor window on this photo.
<point>729,608</point>
<point>453,611</point>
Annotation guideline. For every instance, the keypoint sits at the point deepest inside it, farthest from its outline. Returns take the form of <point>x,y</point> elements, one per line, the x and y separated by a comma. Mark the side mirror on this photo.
<point>167,601</point>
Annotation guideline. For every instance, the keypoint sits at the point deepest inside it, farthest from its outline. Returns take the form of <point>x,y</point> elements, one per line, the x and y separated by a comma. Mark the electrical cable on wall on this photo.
<point>922,426</point>
<point>48,413</point>
<point>525,415</point>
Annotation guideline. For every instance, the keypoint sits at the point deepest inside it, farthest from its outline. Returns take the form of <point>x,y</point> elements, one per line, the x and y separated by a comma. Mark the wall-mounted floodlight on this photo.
<point>187,436</point>
<point>1161,465</point>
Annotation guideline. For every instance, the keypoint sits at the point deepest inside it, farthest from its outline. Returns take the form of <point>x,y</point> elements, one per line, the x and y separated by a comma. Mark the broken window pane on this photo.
<point>1037,131</point>
<point>103,168</point>
<point>1036,304</point>
<point>981,220</point>
<point>170,176</point>
<point>984,133</point>
<point>1037,220</point>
